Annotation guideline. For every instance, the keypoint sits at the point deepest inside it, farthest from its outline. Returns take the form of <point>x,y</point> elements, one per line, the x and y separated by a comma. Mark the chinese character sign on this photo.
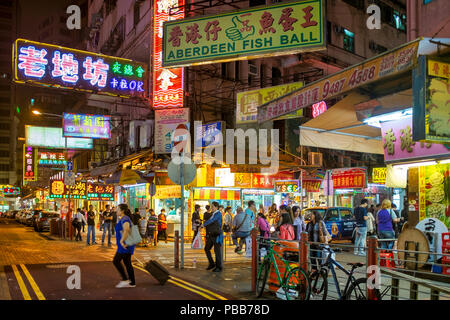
<point>351,178</point>
<point>167,83</point>
<point>100,192</point>
<point>166,122</point>
<point>9,191</point>
<point>208,135</point>
<point>57,189</point>
<point>49,137</point>
<point>379,175</point>
<point>319,108</point>
<point>29,163</point>
<point>255,32</point>
<point>398,142</point>
<point>431,93</point>
<point>52,159</point>
<point>86,126</point>
<point>47,64</point>
<point>287,186</point>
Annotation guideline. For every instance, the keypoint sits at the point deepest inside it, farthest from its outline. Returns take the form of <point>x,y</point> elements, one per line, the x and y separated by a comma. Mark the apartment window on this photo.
<point>136,13</point>
<point>4,167</point>
<point>4,153</point>
<point>358,4</point>
<point>4,99</point>
<point>349,41</point>
<point>4,140</point>
<point>4,181</point>
<point>5,15</point>
<point>5,27</point>
<point>4,126</point>
<point>276,76</point>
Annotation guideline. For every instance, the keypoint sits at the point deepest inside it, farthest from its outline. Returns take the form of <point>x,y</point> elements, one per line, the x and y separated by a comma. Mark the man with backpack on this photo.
<point>241,227</point>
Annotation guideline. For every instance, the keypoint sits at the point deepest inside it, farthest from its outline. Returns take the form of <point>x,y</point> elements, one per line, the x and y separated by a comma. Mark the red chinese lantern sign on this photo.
<point>352,178</point>
<point>318,108</point>
<point>29,164</point>
<point>167,83</point>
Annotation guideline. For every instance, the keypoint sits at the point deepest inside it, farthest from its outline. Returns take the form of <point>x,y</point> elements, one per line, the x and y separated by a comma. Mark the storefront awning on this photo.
<point>339,128</point>
<point>216,194</point>
<point>104,170</point>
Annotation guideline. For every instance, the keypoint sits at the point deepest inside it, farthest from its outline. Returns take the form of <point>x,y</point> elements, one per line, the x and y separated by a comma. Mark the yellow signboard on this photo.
<point>256,32</point>
<point>438,69</point>
<point>248,102</point>
<point>379,175</point>
<point>387,64</point>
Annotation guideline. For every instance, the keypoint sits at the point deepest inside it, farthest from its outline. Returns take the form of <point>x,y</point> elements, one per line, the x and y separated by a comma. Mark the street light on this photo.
<point>38,113</point>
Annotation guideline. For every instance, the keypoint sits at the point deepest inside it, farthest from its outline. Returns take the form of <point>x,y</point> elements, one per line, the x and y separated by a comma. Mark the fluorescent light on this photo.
<point>397,115</point>
<point>414,164</point>
<point>444,161</point>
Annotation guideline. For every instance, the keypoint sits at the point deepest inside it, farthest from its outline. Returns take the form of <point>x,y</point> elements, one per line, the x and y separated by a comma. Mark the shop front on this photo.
<point>348,185</point>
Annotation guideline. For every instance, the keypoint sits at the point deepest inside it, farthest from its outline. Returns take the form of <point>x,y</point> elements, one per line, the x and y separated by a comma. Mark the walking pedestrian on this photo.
<point>214,238</point>
<point>263,225</point>
<point>360,215</point>
<point>124,252</point>
<point>162,225</point>
<point>251,212</point>
<point>152,225</point>
<point>136,217</point>
<point>285,227</point>
<point>91,225</point>
<point>395,218</point>
<point>299,222</point>
<point>107,220</point>
<point>317,235</point>
<point>207,213</point>
<point>370,224</point>
<point>114,220</point>
<point>385,227</point>
<point>241,227</point>
<point>227,224</point>
<point>80,220</point>
<point>196,221</point>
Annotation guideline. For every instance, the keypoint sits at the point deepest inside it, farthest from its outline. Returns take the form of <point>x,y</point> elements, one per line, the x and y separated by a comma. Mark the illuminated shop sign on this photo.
<point>59,190</point>
<point>10,191</point>
<point>100,192</point>
<point>379,175</point>
<point>54,66</point>
<point>86,126</point>
<point>319,108</point>
<point>349,178</point>
<point>29,164</point>
<point>167,83</point>
<point>52,159</point>
<point>209,135</point>
<point>49,137</point>
<point>287,186</point>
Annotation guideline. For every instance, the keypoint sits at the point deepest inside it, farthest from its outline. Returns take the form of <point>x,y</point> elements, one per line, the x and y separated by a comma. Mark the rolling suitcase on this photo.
<point>157,271</point>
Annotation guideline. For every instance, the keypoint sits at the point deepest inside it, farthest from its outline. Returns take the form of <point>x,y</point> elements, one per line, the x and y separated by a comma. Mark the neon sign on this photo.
<point>52,159</point>
<point>29,164</point>
<point>167,83</point>
<point>50,65</point>
<point>318,108</point>
<point>86,126</point>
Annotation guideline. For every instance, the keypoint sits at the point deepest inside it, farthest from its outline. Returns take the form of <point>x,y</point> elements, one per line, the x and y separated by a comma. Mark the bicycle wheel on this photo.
<point>358,290</point>
<point>297,280</point>
<point>319,284</point>
<point>262,278</point>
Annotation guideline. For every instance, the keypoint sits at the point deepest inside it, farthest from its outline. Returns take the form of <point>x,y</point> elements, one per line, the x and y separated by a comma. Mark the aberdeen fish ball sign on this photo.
<point>275,30</point>
<point>54,66</point>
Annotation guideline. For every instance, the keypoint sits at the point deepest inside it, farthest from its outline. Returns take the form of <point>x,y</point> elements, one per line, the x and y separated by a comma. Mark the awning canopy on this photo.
<point>104,170</point>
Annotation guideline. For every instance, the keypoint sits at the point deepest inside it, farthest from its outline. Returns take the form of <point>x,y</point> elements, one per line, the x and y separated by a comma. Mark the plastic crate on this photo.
<point>387,260</point>
<point>446,270</point>
<point>446,239</point>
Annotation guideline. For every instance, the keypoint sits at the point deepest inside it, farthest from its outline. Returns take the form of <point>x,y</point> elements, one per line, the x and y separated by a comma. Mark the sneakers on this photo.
<point>355,253</point>
<point>125,284</point>
<point>363,254</point>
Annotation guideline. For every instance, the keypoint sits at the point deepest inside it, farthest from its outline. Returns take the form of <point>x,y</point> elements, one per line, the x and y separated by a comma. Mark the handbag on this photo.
<point>134,237</point>
<point>234,229</point>
<point>322,237</point>
<point>197,243</point>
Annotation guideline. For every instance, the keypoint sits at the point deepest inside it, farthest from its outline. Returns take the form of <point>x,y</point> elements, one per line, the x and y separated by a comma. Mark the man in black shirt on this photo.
<point>107,219</point>
<point>360,215</point>
<point>91,224</point>
<point>114,220</point>
<point>196,221</point>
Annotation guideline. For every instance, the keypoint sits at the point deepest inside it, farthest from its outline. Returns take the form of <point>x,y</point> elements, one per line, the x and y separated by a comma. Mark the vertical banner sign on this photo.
<point>29,164</point>
<point>167,83</point>
<point>166,121</point>
<point>431,116</point>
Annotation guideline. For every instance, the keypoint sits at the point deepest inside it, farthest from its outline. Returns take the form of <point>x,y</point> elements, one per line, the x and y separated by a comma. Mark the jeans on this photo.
<point>386,235</point>
<point>161,234</point>
<point>360,241</point>
<point>106,227</point>
<point>126,258</point>
<point>78,235</point>
<point>91,230</point>
<point>211,242</point>
<point>315,256</point>
<point>242,235</point>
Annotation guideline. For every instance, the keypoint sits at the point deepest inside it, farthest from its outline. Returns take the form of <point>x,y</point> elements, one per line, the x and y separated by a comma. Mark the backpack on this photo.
<point>287,232</point>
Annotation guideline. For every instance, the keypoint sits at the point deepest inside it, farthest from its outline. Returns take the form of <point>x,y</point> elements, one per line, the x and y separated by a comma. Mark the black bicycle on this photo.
<point>355,289</point>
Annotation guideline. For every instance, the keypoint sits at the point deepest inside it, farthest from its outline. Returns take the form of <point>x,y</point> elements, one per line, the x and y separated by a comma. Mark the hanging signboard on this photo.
<point>431,116</point>
<point>100,192</point>
<point>86,126</point>
<point>9,191</point>
<point>319,108</point>
<point>29,163</point>
<point>379,175</point>
<point>268,31</point>
<point>167,83</point>
<point>209,135</point>
<point>59,67</point>
<point>264,181</point>
<point>48,137</point>
<point>166,121</point>
<point>398,142</point>
<point>52,159</point>
<point>287,186</point>
<point>377,68</point>
<point>60,190</point>
<point>247,102</point>
<point>349,178</point>
<point>311,185</point>
<point>223,178</point>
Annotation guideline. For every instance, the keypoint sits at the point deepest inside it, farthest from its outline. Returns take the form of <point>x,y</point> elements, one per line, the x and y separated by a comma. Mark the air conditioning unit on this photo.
<point>315,158</point>
<point>253,70</point>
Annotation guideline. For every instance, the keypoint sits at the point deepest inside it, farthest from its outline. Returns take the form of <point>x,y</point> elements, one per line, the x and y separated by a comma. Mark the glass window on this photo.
<point>349,41</point>
<point>346,214</point>
<point>332,215</point>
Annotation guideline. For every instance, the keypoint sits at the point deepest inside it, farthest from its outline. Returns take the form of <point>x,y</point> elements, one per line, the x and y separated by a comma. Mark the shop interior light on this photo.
<point>414,164</point>
<point>397,115</point>
<point>444,161</point>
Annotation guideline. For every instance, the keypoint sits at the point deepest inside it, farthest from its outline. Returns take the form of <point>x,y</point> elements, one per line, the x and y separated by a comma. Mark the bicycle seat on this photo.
<point>356,265</point>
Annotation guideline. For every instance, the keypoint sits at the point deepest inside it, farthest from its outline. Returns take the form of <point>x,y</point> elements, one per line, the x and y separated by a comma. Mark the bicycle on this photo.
<point>294,282</point>
<point>355,289</point>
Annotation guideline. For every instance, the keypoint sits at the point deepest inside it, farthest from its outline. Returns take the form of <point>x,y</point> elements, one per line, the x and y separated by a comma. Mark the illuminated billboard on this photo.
<point>167,83</point>
<point>86,126</point>
<point>59,67</point>
<point>280,29</point>
<point>29,163</point>
<point>48,137</point>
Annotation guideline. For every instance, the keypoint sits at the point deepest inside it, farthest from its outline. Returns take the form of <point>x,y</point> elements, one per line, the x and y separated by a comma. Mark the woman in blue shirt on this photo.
<point>124,252</point>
